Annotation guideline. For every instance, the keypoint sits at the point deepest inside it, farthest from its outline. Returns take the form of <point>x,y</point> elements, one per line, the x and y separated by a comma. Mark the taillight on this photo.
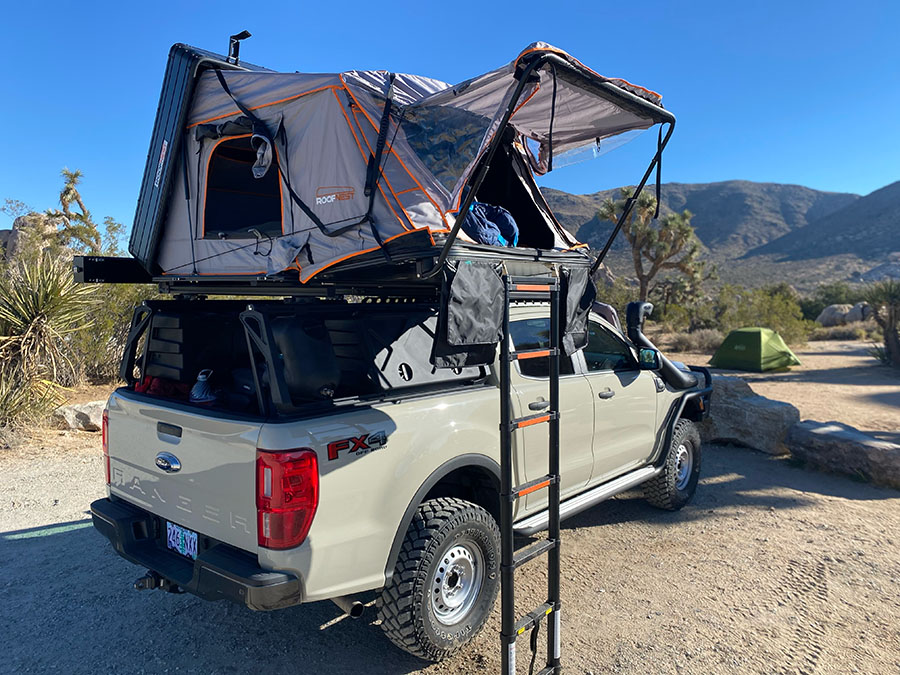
<point>104,441</point>
<point>287,494</point>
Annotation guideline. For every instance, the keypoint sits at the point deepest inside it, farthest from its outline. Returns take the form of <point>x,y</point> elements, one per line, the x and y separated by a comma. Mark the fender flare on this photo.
<point>470,459</point>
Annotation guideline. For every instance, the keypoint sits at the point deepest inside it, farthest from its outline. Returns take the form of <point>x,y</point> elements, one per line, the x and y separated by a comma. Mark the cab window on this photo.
<point>605,351</point>
<point>535,334</point>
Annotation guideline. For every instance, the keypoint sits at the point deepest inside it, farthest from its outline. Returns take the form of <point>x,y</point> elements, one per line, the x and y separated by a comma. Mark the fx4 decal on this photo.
<point>358,445</point>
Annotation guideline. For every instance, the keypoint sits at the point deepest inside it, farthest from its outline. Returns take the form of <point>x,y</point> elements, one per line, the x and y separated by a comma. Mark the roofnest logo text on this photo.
<point>329,195</point>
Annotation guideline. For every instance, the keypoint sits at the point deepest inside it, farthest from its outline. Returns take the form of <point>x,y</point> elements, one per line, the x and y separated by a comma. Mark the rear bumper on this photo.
<point>221,572</point>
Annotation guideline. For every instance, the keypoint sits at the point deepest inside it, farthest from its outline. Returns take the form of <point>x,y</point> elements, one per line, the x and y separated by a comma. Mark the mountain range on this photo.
<point>757,233</point>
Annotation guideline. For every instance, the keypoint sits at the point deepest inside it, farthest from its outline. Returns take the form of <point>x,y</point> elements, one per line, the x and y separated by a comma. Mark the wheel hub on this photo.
<point>457,582</point>
<point>684,464</point>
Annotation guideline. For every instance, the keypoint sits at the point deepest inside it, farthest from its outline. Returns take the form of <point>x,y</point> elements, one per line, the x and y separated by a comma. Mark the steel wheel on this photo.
<point>457,583</point>
<point>684,464</point>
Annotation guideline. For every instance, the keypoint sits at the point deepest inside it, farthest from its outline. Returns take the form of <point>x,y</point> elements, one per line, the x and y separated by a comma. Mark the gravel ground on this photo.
<point>772,569</point>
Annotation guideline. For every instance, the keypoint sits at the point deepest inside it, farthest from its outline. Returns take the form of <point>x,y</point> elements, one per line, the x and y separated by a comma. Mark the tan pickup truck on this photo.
<point>324,457</point>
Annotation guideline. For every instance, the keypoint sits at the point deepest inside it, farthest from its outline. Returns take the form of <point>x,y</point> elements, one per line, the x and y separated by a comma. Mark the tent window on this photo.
<point>236,202</point>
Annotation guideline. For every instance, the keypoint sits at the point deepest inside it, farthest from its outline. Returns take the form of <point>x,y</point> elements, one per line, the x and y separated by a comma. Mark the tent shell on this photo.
<point>411,201</point>
<point>754,349</point>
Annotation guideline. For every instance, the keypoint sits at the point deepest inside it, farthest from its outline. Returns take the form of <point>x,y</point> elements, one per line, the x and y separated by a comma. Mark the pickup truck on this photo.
<point>325,457</point>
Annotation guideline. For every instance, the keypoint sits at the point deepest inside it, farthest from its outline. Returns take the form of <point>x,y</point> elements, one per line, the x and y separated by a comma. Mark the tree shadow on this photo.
<point>734,477</point>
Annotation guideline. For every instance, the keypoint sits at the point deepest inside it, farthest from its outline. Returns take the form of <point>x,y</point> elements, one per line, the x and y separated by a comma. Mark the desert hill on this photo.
<point>755,232</point>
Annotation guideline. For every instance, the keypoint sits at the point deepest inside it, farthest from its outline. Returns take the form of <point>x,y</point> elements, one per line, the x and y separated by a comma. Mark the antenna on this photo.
<point>234,45</point>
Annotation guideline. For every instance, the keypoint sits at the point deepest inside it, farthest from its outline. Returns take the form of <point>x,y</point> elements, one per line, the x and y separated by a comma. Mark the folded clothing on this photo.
<point>492,225</point>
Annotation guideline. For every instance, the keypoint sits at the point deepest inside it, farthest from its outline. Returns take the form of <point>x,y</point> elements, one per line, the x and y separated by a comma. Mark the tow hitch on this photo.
<point>152,580</point>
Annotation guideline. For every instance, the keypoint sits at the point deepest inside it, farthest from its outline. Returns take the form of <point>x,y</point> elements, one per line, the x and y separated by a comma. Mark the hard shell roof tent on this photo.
<point>281,178</point>
<point>755,349</point>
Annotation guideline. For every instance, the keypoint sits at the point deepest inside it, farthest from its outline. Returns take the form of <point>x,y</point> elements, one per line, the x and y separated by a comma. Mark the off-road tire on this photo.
<point>664,490</point>
<point>405,608</point>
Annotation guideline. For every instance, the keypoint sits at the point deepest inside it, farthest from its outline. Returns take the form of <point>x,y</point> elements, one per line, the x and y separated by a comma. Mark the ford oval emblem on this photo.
<point>168,462</point>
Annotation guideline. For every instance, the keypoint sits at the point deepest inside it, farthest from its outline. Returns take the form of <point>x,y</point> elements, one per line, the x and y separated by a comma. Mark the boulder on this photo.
<point>737,415</point>
<point>833,315</point>
<point>860,312</point>
<point>26,231</point>
<point>888,270</point>
<point>80,416</point>
<point>841,448</point>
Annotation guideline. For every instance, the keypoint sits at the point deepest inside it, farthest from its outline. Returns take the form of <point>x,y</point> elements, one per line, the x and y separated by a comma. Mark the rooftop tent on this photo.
<point>299,172</point>
<point>754,349</point>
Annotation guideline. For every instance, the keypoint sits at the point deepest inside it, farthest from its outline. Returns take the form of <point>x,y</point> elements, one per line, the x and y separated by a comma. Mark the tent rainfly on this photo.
<point>289,171</point>
<point>754,349</point>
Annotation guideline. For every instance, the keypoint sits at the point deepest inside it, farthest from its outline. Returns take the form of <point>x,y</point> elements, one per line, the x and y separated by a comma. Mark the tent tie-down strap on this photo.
<point>374,168</point>
<point>260,129</point>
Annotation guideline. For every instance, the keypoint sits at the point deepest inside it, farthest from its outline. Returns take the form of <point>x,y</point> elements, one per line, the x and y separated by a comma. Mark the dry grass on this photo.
<point>851,331</point>
<point>704,341</point>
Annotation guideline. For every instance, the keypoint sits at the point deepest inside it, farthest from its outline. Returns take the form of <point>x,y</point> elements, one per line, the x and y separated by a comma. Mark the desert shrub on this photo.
<point>776,307</point>
<point>41,308</point>
<point>676,318</point>
<point>849,332</point>
<point>884,297</point>
<point>618,294</point>
<point>96,352</point>
<point>705,341</point>
<point>837,293</point>
<point>868,330</point>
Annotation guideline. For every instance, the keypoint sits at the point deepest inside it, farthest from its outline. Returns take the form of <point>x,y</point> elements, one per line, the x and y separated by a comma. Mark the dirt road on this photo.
<point>772,569</point>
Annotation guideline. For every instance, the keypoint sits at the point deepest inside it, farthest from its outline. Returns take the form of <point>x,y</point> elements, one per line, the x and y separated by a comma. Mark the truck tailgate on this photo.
<point>214,491</point>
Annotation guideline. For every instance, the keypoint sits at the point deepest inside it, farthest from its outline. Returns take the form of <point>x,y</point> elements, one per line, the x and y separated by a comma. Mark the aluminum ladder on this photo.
<point>513,627</point>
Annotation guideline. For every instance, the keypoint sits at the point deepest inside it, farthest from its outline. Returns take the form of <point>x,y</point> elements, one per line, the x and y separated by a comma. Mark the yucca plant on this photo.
<point>25,397</point>
<point>41,307</point>
<point>884,297</point>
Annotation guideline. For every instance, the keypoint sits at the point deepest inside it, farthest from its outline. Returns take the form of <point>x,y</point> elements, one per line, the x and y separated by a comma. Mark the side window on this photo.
<point>236,202</point>
<point>535,334</point>
<point>605,351</point>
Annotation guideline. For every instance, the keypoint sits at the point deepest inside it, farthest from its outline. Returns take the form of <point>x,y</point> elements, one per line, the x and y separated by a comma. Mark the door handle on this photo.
<point>606,393</point>
<point>539,405</point>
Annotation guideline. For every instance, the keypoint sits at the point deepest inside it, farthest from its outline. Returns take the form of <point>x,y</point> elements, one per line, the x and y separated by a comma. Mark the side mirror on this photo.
<point>649,359</point>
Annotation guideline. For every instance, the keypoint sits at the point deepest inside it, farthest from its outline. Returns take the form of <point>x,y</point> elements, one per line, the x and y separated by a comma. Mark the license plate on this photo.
<point>181,540</point>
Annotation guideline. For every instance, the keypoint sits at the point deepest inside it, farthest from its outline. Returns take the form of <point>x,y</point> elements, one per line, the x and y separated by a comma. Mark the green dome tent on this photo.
<point>755,349</point>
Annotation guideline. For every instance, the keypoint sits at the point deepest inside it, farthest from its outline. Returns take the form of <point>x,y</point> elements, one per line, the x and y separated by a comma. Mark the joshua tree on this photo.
<point>667,244</point>
<point>77,227</point>
<point>884,297</point>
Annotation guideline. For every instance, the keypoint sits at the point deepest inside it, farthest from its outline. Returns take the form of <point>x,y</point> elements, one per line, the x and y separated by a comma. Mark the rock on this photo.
<point>833,315</point>
<point>841,448</point>
<point>737,415</point>
<point>81,416</point>
<point>860,312</point>
<point>26,231</point>
<point>888,270</point>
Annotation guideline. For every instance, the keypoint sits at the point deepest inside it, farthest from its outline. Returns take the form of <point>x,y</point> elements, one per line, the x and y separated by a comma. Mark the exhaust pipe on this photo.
<point>350,605</point>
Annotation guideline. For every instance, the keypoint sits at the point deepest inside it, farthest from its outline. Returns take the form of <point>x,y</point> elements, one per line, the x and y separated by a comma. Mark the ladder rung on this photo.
<point>532,354</point>
<point>533,617</point>
<point>528,420</point>
<point>533,551</point>
<point>533,485</point>
<point>532,281</point>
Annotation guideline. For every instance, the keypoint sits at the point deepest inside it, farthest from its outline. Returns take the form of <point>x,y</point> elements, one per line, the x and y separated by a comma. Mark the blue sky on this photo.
<point>789,92</point>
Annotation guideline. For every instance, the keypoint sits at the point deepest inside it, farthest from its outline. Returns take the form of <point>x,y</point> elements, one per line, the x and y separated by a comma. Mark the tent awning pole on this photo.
<point>629,205</point>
